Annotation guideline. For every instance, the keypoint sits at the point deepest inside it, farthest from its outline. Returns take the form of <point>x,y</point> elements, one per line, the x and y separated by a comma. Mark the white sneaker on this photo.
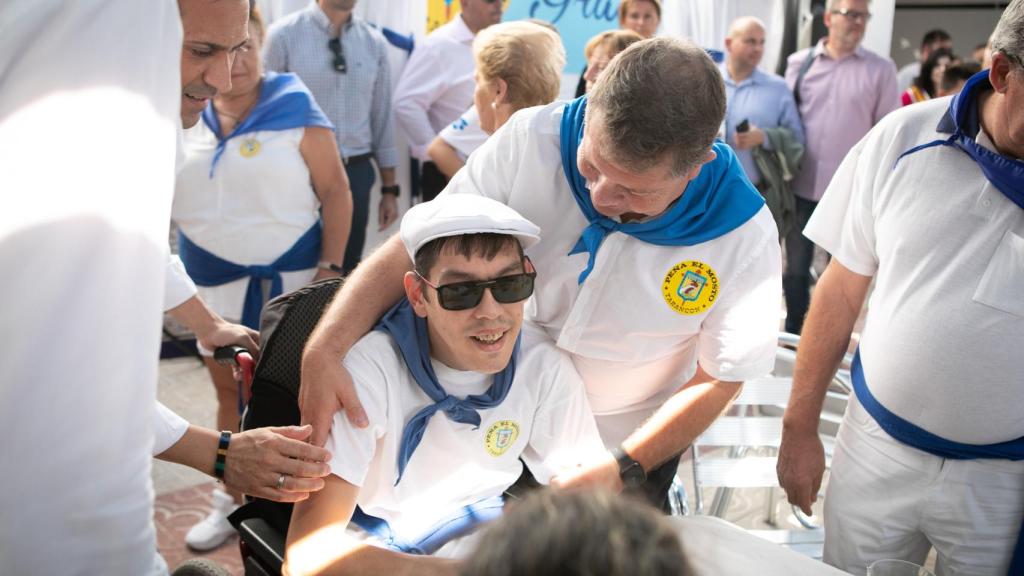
<point>215,529</point>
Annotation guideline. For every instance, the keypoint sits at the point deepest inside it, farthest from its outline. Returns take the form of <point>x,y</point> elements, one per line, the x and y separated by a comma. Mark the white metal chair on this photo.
<point>740,449</point>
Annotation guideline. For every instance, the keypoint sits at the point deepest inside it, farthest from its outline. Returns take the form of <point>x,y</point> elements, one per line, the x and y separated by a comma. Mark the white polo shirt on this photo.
<point>544,419</point>
<point>940,346</point>
<point>465,134</point>
<point>634,330</point>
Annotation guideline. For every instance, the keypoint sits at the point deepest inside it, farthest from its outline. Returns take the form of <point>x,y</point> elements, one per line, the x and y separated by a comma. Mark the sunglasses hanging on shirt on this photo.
<point>339,57</point>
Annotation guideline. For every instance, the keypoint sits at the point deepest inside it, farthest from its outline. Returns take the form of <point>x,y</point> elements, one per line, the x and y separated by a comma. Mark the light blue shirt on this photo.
<point>766,102</point>
<point>357,102</point>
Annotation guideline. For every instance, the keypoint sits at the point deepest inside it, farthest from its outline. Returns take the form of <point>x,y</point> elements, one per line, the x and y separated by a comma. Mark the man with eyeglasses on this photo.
<point>930,207</point>
<point>841,90</point>
<point>459,394</point>
<point>437,85</point>
<point>343,61</point>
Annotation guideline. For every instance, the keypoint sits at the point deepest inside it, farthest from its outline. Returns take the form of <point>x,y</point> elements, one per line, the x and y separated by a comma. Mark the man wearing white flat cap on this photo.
<point>458,398</point>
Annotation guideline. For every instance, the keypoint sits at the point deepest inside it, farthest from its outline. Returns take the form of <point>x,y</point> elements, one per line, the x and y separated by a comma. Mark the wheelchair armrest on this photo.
<point>265,542</point>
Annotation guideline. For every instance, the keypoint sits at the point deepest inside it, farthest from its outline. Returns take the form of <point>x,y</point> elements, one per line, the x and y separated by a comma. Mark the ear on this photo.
<point>711,155</point>
<point>528,265</point>
<point>728,43</point>
<point>997,74</point>
<point>414,292</point>
<point>827,17</point>
<point>500,92</point>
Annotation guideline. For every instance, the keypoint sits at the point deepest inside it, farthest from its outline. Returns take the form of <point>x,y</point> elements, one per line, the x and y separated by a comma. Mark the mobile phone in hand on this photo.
<point>743,126</point>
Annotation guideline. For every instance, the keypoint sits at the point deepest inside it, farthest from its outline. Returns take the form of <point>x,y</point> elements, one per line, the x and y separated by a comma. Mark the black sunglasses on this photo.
<point>339,58</point>
<point>466,295</point>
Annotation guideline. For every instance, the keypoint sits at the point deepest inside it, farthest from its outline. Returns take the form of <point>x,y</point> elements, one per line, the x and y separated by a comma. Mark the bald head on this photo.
<point>743,24</point>
<point>745,46</point>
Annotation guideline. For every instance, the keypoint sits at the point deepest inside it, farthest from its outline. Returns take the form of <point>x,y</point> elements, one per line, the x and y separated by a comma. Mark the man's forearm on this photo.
<point>387,176</point>
<point>837,302</point>
<point>680,420</point>
<point>373,287</point>
<point>197,449</point>
<point>195,314</point>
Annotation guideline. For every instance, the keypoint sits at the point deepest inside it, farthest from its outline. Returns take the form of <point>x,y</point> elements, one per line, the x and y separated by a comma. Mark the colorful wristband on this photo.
<point>222,454</point>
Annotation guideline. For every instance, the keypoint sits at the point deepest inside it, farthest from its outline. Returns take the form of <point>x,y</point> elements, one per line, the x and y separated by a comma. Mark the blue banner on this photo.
<point>577,22</point>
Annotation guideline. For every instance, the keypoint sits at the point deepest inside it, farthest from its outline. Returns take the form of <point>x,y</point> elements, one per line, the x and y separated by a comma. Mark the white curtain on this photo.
<point>706,22</point>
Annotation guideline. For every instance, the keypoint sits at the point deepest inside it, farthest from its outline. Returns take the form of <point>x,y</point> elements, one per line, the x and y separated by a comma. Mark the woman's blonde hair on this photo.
<point>527,56</point>
<point>614,41</point>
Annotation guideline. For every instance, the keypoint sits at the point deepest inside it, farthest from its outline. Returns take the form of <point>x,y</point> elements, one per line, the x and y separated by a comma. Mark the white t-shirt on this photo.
<point>251,211</point>
<point>946,249</point>
<point>544,419</point>
<point>436,85</point>
<point>465,134</point>
<point>87,141</point>
<point>629,343</point>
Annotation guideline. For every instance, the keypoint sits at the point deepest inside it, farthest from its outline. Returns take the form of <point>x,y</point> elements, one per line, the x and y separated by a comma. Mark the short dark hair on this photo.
<point>956,72</point>
<point>935,35</point>
<point>660,97</point>
<point>578,533</point>
<point>487,245</point>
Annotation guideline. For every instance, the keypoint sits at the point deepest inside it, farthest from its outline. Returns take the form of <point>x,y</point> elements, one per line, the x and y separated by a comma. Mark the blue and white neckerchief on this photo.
<point>284,103</point>
<point>716,202</point>
<point>410,333</point>
<point>962,121</point>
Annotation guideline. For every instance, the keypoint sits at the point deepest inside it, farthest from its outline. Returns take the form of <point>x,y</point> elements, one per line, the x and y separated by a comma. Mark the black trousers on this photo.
<point>432,181</point>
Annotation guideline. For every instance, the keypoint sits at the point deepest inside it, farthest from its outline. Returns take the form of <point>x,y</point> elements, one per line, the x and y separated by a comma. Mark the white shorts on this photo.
<point>888,500</point>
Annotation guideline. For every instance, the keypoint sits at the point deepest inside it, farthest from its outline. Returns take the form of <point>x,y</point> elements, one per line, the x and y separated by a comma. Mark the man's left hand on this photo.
<point>276,463</point>
<point>600,473</point>
<point>223,333</point>
<point>750,139</point>
<point>387,212</point>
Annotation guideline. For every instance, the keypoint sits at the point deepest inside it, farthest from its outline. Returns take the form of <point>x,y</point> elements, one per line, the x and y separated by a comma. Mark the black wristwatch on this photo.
<point>393,189</point>
<point>631,472</point>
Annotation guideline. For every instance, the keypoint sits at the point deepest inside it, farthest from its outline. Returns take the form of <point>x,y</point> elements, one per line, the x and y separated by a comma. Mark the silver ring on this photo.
<point>280,481</point>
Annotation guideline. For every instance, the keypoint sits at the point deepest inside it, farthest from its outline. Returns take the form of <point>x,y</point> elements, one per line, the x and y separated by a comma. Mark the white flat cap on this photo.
<point>458,214</point>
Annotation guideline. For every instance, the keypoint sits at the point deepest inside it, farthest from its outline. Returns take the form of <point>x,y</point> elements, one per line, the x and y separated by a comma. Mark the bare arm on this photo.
<point>668,432</point>
<point>255,460</point>
<point>369,291</point>
<point>387,211</point>
<point>211,330</point>
<point>330,183</point>
<point>317,543</point>
<point>445,156</point>
<point>838,299</point>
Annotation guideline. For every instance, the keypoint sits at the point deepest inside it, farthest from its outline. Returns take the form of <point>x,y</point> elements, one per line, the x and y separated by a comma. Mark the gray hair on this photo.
<point>657,97</point>
<point>578,533</point>
<point>1008,37</point>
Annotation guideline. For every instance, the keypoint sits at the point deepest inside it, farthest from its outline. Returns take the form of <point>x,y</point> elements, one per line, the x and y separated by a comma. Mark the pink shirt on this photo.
<point>840,100</point>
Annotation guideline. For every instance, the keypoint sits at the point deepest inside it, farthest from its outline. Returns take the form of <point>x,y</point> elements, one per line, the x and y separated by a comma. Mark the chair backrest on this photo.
<point>754,423</point>
<point>285,326</point>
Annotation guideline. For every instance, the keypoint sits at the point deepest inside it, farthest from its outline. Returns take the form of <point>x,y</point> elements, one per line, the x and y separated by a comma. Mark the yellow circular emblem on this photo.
<point>500,437</point>
<point>249,148</point>
<point>690,287</point>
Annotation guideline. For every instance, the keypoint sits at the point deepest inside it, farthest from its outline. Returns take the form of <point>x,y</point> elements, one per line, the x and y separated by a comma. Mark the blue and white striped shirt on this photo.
<point>357,102</point>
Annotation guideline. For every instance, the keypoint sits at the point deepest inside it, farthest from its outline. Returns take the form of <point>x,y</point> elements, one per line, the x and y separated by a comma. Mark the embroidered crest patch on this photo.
<point>500,437</point>
<point>249,147</point>
<point>690,287</point>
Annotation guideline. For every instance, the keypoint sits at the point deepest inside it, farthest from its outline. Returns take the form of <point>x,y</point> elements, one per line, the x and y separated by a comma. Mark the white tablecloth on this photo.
<point>716,547</point>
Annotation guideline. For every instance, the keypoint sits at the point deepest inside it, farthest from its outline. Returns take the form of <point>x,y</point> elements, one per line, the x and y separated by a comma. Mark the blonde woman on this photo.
<point>602,48</point>
<point>518,64</point>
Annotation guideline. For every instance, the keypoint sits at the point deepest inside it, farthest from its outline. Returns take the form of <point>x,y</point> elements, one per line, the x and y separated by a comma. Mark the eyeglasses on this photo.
<point>467,295</point>
<point>339,58</point>
<point>854,15</point>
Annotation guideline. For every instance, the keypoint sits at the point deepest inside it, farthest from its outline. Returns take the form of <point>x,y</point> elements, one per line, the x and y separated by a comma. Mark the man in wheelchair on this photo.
<point>459,395</point>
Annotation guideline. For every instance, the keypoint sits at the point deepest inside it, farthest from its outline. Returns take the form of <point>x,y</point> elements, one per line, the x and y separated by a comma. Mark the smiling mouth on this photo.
<point>490,338</point>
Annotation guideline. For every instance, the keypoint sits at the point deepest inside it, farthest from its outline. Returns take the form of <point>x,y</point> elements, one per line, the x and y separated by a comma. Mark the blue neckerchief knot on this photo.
<point>716,202</point>
<point>962,121</point>
<point>410,333</point>
<point>284,103</point>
